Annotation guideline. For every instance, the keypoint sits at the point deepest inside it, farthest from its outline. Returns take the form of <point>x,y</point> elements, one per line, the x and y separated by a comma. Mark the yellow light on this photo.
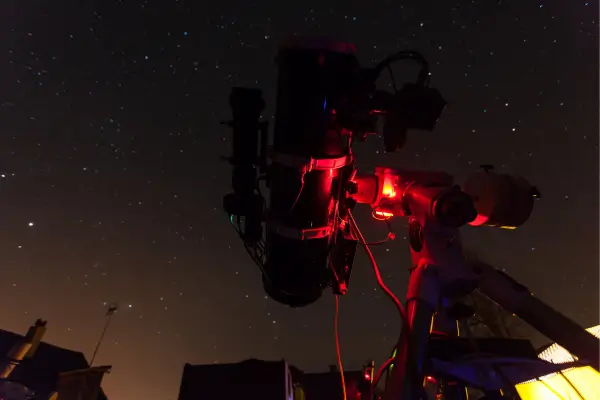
<point>388,191</point>
<point>582,383</point>
<point>558,355</point>
<point>389,187</point>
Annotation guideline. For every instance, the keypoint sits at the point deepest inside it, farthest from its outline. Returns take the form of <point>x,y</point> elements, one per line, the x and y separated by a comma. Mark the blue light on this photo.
<point>325,104</point>
<point>185,33</point>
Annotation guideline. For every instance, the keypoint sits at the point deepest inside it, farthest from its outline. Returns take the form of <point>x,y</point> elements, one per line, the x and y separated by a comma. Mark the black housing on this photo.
<point>314,86</point>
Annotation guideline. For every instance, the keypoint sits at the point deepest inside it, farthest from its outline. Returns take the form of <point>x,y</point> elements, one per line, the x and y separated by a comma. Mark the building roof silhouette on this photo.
<point>41,372</point>
<point>328,385</point>
<point>254,378</point>
<point>265,379</point>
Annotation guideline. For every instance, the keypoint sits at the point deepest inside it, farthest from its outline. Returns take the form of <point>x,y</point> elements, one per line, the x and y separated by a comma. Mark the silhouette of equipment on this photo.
<point>304,238</point>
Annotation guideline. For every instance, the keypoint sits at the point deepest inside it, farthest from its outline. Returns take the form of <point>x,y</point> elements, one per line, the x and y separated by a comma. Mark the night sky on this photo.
<point>112,178</point>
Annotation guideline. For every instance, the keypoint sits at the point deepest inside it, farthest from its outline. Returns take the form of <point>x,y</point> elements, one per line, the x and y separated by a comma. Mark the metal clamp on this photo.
<point>299,234</point>
<point>305,165</point>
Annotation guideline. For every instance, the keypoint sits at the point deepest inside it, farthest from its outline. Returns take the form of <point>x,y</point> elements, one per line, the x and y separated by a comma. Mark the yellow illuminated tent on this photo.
<point>580,383</point>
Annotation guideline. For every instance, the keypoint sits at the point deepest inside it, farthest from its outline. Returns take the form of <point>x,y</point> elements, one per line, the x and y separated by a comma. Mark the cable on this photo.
<point>391,295</point>
<point>382,285</point>
<point>299,192</point>
<point>380,372</point>
<point>390,236</point>
<point>336,331</point>
<point>423,79</point>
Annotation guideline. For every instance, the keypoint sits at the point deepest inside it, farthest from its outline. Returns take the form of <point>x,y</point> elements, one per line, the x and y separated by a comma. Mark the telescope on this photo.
<point>304,237</point>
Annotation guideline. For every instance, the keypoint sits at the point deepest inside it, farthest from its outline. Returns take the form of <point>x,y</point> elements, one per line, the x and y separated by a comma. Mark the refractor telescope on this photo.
<point>304,238</point>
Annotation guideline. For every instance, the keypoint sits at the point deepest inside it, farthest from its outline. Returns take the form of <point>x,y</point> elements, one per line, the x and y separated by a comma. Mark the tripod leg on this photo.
<point>445,325</point>
<point>421,301</point>
<point>517,299</point>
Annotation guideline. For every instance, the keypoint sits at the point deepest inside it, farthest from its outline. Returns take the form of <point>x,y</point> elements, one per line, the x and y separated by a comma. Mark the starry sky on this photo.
<point>111,172</point>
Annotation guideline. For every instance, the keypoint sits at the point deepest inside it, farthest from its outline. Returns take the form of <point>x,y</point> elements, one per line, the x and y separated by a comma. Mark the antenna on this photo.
<point>112,308</point>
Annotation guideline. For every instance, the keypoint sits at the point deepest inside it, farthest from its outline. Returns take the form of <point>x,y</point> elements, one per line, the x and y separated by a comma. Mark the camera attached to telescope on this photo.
<point>301,238</point>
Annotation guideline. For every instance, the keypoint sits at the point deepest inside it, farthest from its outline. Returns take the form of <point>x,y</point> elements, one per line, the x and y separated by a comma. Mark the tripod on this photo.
<point>440,275</point>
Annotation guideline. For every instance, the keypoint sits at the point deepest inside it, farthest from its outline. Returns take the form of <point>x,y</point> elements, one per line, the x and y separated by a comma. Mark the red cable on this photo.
<point>387,291</point>
<point>337,345</point>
